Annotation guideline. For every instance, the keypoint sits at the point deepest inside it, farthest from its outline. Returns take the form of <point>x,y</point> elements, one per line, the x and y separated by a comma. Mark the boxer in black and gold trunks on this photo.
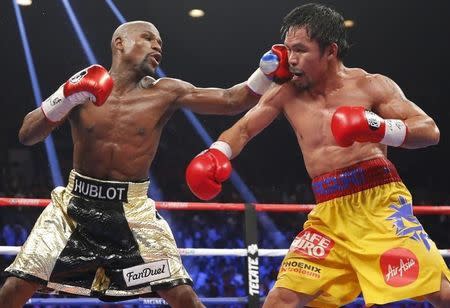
<point>101,236</point>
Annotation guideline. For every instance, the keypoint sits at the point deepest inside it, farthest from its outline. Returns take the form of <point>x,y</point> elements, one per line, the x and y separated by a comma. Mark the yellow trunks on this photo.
<point>362,236</point>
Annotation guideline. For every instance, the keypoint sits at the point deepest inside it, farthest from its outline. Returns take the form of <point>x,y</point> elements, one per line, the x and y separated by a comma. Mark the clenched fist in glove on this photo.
<point>273,66</point>
<point>92,84</point>
<point>206,172</point>
<point>355,123</point>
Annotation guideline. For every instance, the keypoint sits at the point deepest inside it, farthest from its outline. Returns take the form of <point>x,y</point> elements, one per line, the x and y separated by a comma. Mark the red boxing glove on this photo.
<point>275,65</point>
<point>350,124</point>
<point>91,84</point>
<point>206,172</point>
<point>94,79</point>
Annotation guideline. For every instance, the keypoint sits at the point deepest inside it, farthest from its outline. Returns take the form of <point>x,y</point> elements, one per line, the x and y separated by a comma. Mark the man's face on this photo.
<point>143,48</point>
<point>305,58</point>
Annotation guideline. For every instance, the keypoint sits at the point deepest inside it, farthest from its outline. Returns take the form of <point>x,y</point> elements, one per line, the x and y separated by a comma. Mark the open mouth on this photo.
<point>297,72</point>
<point>156,57</point>
<point>299,75</point>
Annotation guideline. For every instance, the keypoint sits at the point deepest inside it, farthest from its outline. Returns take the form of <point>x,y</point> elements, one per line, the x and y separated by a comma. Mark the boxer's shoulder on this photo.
<point>164,84</point>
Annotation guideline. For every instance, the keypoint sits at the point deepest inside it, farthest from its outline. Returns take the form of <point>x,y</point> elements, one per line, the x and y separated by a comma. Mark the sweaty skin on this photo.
<point>309,100</point>
<point>118,140</point>
<point>322,83</point>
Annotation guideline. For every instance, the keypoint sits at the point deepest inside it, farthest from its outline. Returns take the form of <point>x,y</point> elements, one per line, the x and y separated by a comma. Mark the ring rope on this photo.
<point>239,252</point>
<point>138,301</point>
<point>160,301</point>
<point>197,206</point>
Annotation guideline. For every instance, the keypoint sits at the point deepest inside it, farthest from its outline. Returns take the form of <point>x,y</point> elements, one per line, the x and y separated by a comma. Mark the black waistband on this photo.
<point>100,190</point>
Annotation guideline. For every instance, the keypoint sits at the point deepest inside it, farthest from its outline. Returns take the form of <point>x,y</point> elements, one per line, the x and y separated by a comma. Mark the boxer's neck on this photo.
<point>330,81</point>
<point>125,80</point>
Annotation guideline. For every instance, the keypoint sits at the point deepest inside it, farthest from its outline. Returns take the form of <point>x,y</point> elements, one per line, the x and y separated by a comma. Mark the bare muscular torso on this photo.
<point>310,117</point>
<point>118,140</point>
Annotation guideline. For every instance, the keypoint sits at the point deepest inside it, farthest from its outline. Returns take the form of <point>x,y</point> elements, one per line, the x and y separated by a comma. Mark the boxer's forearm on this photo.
<point>422,132</point>
<point>218,101</point>
<point>242,98</point>
<point>35,128</point>
<point>236,137</point>
<point>251,124</point>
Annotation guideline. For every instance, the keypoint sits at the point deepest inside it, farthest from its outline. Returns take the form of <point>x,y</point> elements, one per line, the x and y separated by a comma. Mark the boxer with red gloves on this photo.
<point>105,201</point>
<point>92,84</point>
<point>363,225</point>
<point>350,124</point>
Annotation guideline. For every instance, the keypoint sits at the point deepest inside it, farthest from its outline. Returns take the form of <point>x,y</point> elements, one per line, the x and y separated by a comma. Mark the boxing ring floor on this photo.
<point>252,253</point>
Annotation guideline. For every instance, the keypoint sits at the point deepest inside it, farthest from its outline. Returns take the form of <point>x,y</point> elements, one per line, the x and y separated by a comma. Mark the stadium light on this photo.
<point>196,13</point>
<point>24,2</point>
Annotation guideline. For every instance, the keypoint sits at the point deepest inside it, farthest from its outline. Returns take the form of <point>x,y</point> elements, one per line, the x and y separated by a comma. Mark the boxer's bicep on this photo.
<point>422,131</point>
<point>391,102</point>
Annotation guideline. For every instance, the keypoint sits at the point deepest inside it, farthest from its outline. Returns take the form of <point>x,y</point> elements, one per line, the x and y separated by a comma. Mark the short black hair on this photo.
<point>323,24</point>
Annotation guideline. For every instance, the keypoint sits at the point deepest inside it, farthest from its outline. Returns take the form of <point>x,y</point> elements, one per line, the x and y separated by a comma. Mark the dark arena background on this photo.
<point>44,43</point>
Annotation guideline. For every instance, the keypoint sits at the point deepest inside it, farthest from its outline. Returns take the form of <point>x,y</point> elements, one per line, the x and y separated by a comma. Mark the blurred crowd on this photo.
<point>213,276</point>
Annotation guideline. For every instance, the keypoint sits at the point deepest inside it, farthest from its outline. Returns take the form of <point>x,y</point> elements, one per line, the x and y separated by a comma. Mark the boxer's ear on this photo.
<point>118,43</point>
<point>332,50</point>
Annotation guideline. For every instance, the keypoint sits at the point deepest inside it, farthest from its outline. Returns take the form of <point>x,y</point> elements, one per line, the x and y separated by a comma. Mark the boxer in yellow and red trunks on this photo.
<point>362,236</point>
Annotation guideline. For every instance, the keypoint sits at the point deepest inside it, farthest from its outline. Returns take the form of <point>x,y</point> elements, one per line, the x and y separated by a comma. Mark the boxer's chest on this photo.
<point>122,118</point>
<point>311,116</point>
